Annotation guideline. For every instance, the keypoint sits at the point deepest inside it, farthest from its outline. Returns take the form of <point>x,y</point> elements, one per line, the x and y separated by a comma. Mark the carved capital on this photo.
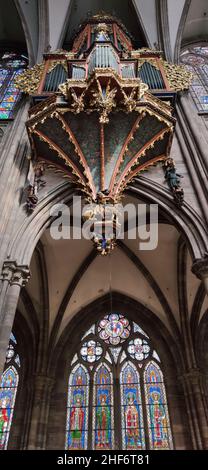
<point>194,379</point>
<point>192,376</point>
<point>15,274</point>
<point>200,267</point>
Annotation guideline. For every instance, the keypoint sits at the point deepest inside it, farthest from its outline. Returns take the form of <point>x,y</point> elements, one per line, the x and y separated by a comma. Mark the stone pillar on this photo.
<point>200,269</point>
<point>192,382</point>
<point>13,277</point>
<point>40,387</point>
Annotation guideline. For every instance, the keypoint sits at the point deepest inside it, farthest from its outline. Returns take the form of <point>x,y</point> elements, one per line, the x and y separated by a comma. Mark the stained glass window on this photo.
<point>116,392</point>
<point>77,412</point>
<point>132,416</point>
<point>10,66</point>
<point>103,421</point>
<point>195,58</point>
<point>157,410</point>
<point>8,390</point>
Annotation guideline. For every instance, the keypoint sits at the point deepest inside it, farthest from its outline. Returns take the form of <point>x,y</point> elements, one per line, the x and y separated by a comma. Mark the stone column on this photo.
<point>192,382</point>
<point>40,387</point>
<point>13,277</point>
<point>200,269</point>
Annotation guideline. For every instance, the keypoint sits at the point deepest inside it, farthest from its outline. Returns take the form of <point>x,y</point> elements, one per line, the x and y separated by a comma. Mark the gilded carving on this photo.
<point>178,76</point>
<point>104,100</point>
<point>29,80</point>
<point>88,95</point>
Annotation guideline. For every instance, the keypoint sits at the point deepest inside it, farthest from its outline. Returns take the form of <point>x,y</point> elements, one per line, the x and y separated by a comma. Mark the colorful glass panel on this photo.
<point>99,414</point>
<point>77,409</point>
<point>196,60</point>
<point>8,390</point>
<point>11,354</point>
<point>9,93</point>
<point>132,417</point>
<point>138,349</point>
<point>91,351</point>
<point>114,329</point>
<point>103,419</point>
<point>157,411</point>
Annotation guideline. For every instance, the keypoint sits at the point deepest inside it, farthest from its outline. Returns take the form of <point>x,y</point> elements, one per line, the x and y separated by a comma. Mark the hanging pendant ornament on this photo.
<point>104,221</point>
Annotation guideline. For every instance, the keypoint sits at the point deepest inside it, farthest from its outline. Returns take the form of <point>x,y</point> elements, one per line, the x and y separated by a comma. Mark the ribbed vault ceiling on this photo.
<point>76,276</point>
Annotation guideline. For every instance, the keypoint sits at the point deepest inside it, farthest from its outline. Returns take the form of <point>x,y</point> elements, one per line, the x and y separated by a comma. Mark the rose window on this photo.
<point>91,351</point>
<point>138,349</point>
<point>114,329</point>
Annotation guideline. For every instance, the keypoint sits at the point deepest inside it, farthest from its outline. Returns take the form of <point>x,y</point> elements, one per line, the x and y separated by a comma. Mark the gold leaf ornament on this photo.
<point>29,80</point>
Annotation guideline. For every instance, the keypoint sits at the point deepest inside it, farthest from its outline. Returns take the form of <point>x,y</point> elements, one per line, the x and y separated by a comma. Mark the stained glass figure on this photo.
<point>103,421</point>
<point>138,349</point>
<point>132,416</point>
<point>77,412</point>
<point>10,67</point>
<point>8,391</point>
<point>196,60</point>
<point>114,329</point>
<point>91,351</point>
<point>157,411</point>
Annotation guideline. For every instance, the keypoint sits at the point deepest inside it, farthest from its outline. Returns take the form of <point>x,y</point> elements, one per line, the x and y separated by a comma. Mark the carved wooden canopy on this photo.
<point>98,117</point>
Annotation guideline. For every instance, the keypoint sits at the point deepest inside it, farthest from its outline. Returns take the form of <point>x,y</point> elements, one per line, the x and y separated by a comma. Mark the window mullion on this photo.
<point>90,414</point>
<point>144,409</point>
<point>117,414</point>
